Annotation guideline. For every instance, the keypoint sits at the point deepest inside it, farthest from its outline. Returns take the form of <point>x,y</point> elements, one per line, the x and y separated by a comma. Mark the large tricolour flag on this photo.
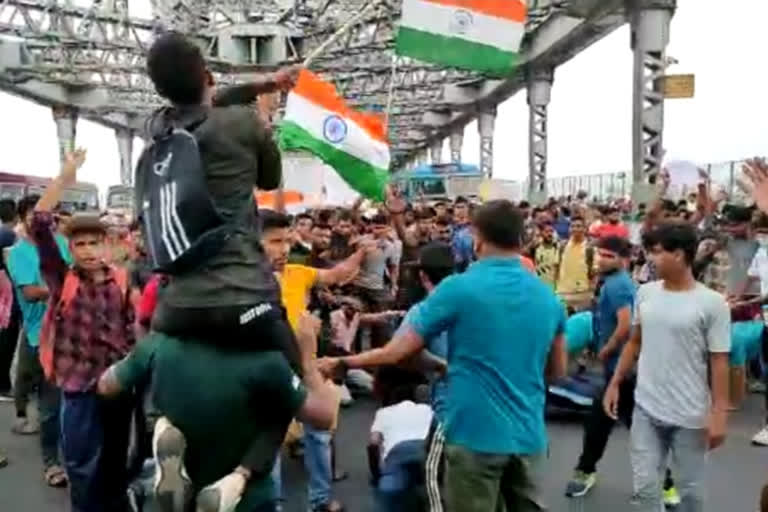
<point>477,35</point>
<point>353,143</point>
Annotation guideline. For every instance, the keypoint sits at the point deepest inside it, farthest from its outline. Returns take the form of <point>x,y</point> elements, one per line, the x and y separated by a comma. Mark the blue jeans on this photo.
<point>317,461</point>
<point>401,471</point>
<point>651,442</point>
<point>94,441</point>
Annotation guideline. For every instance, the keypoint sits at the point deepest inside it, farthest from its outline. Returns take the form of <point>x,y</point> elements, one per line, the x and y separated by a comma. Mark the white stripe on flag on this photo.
<point>177,222</point>
<point>462,24</point>
<point>356,142</point>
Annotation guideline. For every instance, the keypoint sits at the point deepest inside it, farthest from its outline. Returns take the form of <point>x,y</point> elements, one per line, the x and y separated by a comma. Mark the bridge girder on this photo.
<point>93,58</point>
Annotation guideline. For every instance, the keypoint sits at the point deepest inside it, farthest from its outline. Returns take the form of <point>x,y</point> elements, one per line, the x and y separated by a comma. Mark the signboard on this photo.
<point>678,86</point>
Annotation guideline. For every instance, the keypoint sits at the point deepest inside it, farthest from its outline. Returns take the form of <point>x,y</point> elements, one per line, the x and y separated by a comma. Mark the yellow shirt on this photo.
<point>296,281</point>
<point>574,274</point>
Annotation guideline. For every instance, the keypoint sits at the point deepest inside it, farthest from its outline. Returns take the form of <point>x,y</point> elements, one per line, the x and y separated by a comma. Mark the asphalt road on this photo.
<point>737,471</point>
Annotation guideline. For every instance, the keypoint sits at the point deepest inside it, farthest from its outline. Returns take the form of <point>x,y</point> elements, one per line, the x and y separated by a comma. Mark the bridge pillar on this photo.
<point>66,129</point>
<point>436,152</point>
<point>650,20</point>
<point>539,91</point>
<point>125,150</point>
<point>456,142</point>
<point>485,125</point>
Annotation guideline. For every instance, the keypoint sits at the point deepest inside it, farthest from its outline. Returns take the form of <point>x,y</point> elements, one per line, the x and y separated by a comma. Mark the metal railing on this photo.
<point>724,176</point>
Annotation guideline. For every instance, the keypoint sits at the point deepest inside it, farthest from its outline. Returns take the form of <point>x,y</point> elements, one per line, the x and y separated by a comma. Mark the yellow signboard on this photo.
<point>678,86</point>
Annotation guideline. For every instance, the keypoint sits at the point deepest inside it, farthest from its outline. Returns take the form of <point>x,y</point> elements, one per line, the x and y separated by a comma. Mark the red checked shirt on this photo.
<point>97,328</point>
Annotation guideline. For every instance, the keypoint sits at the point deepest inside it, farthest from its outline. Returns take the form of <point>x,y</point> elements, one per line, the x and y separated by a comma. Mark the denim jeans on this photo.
<point>94,440</point>
<point>317,461</point>
<point>402,471</point>
<point>651,442</point>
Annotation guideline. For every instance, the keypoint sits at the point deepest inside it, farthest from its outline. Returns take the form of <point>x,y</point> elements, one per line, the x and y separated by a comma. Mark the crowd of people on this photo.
<point>172,362</point>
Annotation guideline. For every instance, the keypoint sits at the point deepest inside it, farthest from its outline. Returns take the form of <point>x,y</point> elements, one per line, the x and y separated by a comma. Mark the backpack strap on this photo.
<point>68,289</point>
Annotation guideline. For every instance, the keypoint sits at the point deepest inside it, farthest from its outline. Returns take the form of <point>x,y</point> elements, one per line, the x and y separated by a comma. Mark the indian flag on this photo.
<point>478,35</point>
<point>355,144</point>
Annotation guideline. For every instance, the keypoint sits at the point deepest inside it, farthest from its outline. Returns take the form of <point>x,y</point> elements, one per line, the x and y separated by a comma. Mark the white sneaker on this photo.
<point>223,495</point>
<point>346,396</point>
<point>173,487</point>
<point>761,438</point>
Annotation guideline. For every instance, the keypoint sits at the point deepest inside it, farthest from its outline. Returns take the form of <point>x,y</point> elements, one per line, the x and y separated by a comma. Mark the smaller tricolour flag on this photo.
<point>477,35</point>
<point>355,144</point>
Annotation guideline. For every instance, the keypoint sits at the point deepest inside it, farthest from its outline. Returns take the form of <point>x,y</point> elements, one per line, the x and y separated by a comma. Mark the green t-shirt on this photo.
<point>222,400</point>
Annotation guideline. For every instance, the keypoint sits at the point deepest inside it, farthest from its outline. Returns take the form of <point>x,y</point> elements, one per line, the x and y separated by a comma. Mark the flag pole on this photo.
<point>340,32</point>
<point>391,92</point>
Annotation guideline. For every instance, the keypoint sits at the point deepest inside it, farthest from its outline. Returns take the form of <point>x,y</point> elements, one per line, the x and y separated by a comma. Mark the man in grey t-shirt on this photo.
<point>369,283</point>
<point>682,337</point>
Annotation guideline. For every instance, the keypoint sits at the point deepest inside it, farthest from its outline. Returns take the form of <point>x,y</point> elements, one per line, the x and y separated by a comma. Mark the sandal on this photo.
<point>55,476</point>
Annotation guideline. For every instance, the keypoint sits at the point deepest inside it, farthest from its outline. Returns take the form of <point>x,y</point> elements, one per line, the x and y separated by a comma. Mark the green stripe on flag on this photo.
<point>456,52</point>
<point>363,177</point>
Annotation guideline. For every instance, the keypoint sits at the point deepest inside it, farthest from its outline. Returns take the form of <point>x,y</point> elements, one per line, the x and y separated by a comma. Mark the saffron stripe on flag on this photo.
<point>356,140</point>
<point>360,175</point>
<point>450,51</point>
<point>512,10</point>
<point>323,94</point>
<point>438,18</point>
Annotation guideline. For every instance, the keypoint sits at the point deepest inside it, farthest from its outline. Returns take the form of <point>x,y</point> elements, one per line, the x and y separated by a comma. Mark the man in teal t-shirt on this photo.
<point>24,268</point>
<point>31,293</point>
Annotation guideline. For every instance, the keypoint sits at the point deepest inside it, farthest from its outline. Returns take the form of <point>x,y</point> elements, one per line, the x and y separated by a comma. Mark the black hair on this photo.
<point>321,225</point>
<point>303,216</point>
<point>499,223</point>
<point>379,219</point>
<point>524,204</point>
<point>176,66</point>
<point>616,244</point>
<point>436,261</point>
<point>425,214</point>
<point>346,216</point>
<point>273,220</point>
<point>461,200</point>
<point>7,210</point>
<point>27,203</point>
<point>578,218</point>
<point>673,236</point>
<point>443,221</point>
<point>761,222</point>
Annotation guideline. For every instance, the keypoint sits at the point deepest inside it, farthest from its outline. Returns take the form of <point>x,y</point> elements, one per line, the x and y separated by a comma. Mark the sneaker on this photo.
<point>761,438</point>
<point>223,495</point>
<point>6,396</point>
<point>670,497</point>
<point>580,484</point>
<point>173,488</point>
<point>3,460</point>
<point>25,427</point>
<point>756,386</point>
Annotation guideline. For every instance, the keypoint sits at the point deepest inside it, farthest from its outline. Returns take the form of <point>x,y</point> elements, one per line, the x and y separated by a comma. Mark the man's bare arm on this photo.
<point>558,359</point>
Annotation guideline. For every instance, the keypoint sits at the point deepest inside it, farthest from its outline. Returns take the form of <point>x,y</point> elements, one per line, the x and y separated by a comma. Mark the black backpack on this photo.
<point>179,221</point>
